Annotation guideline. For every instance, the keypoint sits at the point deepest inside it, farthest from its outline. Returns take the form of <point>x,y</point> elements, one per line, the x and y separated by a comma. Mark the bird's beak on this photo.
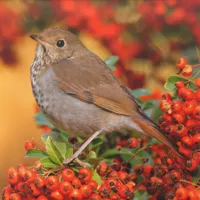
<point>38,38</point>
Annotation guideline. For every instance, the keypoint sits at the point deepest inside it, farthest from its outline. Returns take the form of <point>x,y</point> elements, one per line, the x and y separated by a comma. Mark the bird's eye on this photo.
<point>60,43</point>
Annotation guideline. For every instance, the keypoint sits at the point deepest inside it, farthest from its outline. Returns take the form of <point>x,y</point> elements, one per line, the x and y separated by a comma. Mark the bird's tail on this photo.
<point>152,130</point>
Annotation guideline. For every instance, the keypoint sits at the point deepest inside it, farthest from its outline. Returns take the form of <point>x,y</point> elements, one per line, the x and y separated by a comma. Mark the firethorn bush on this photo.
<point>121,165</point>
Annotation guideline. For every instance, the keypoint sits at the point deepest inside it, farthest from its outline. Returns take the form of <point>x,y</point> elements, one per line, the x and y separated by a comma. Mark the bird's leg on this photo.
<point>84,145</point>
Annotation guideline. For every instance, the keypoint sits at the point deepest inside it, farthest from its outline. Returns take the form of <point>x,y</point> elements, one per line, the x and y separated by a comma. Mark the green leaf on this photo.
<point>148,104</point>
<point>91,154</point>
<point>171,80</point>
<point>64,136</point>
<point>69,152</point>
<point>114,152</point>
<point>140,92</point>
<point>96,177</point>
<point>35,153</point>
<point>110,61</point>
<point>53,152</point>
<point>48,163</point>
<point>60,142</point>
<point>41,120</point>
<point>140,195</point>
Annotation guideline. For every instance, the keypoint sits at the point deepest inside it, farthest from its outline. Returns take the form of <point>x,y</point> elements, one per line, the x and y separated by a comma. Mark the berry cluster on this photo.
<point>180,120</point>
<point>67,184</point>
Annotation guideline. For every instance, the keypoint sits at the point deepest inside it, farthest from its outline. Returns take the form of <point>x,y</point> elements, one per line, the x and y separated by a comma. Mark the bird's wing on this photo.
<point>91,81</point>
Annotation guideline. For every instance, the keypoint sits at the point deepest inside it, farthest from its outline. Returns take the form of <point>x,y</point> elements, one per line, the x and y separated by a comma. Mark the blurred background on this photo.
<point>147,36</point>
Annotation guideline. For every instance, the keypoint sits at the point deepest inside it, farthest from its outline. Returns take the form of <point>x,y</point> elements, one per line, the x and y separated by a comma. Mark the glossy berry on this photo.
<point>187,141</point>
<point>181,63</point>
<point>76,183</point>
<point>75,194</point>
<point>197,82</point>
<point>65,187</point>
<point>52,182</point>
<point>187,70</point>
<point>93,184</point>
<point>179,84</point>
<point>196,140</point>
<point>15,196</point>
<point>181,130</point>
<point>186,93</point>
<point>12,176</point>
<point>85,175</point>
<point>86,191</point>
<point>68,175</point>
<point>182,194</point>
<point>39,182</point>
<point>197,95</point>
<point>102,168</point>
<point>191,164</point>
<point>95,196</point>
<point>42,197</point>
<point>29,145</point>
<point>104,191</point>
<point>196,112</point>
<point>132,142</point>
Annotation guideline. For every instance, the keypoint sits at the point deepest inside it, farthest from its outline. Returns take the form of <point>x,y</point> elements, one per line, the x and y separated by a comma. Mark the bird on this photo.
<point>80,95</point>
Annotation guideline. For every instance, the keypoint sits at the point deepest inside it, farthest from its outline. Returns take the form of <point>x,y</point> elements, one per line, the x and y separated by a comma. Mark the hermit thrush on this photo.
<point>79,94</point>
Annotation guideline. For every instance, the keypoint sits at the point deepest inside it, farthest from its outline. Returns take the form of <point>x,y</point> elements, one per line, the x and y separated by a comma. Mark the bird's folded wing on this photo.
<point>91,81</point>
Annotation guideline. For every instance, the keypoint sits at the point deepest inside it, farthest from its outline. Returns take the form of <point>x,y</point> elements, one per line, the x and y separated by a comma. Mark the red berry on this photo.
<point>187,70</point>
<point>114,197</point>
<point>104,191</point>
<point>182,194</point>
<point>34,191</point>
<point>68,175</point>
<point>196,112</point>
<point>189,106</point>
<point>166,96</point>
<point>52,182</point>
<point>166,106</point>
<point>197,95</point>
<point>124,192</point>
<point>112,182</point>
<point>29,176</point>
<point>85,175</point>
<point>191,165</point>
<point>181,63</point>
<point>29,145</point>
<point>181,130</point>
<point>185,151</point>
<point>187,141</point>
<point>65,187</point>
<point>196,140</point>
<point>176,106</point>
<point>132,142</point>
<point>75,194</point>
<point>56,194</point>
<point>180,84</point>
<point>42,197</point>
<point>86,191</point>
<point>179,117</point>
<point>95,196</point>
<point>102,168</point>
<point>197,82</point>
<point>148,171</point>
<point>39,182</point>
<point>15,196</point>
<point>93,184</point>
<point>76,183</point>
<point>12,176</point>
<point>185,93</point>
